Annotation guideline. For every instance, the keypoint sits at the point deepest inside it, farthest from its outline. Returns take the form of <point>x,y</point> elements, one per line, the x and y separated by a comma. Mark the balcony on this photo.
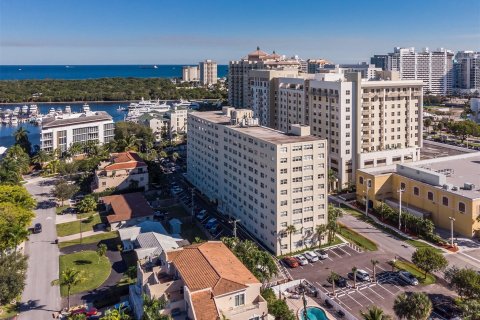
<point>366,112</point>
<point>366,120</point>
<point>259,306</point>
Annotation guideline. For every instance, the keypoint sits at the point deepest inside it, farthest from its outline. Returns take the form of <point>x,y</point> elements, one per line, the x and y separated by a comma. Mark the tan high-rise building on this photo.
<point>208,72</point>
<point>265,178</point>
<point>190,73</point>
<point>238,74</point>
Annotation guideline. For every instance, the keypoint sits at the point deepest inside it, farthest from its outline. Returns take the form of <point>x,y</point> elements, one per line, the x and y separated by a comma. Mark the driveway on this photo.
<point>40,299</point>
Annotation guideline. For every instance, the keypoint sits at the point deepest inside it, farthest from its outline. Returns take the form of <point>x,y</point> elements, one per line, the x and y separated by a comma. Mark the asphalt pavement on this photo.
<point>40,299</point>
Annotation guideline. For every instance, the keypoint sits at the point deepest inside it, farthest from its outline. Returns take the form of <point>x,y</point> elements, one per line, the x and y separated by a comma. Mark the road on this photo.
<point>40,299</point>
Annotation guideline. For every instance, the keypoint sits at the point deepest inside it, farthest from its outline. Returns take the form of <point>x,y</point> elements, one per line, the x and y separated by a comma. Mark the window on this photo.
<point>297,221</point>
<point>430,195</point>
<point>239,299</point>
<point>283,192</point>
<point>309,219</point>
<point>360,179</point>
<point>283,202</point>
<point>402,186</point>
<point>283,160</point>
<point>416,191</point>
<point>283,224</point>
<point>283,149</point>
<point>461,207</point>
<point>282,171</point>
<point>445,201</point>
<point>283,181</point>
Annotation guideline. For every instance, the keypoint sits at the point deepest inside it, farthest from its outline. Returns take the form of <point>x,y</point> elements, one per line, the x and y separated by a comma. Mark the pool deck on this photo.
<point>297,304</point>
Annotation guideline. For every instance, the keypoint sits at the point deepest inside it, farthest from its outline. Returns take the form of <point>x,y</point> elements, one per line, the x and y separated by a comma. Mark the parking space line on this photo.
<point>369,269</point>
<point>342,304</point>
<point>361,305</point>
<point>365,296</point>
<point>386,289</point>
<point>376,293</point>
<point>344,251</point>
<point>379,267</point>
<point>331,250</point>
<point>329,258</point>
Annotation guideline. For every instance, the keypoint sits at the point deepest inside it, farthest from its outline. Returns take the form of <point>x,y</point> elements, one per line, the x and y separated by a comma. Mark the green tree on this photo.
<point>87,204</point>
<point>374,313</point>
<point>466,282</point>
<point>416,306</point>
<point>21,139</point>
<point>115,315</point>
<point>290,230</point>
<point>331,279</point>
<point>354,271</point>
<point>152,308</point>
<point>64,190</point>
<point>41,157</point>
<point>17,195</point>
<point>101,250</point>
<point>429,260</point>
<point>69,278</point>
<point>319,232</point>
<point>470,308</point>
<point>332,179</point>
<point>14,221</point>
<point>374,267</point>
<point>76,148</point>
<point>332,225</point>
<point>9,172</point>
<point>175,156</point>
<point>277,307</point>
<point>13,268</point>
<point>163,154</point>
<point>427,122</point>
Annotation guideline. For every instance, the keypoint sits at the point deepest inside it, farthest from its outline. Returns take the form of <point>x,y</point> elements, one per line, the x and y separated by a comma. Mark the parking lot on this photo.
<point>341,259</point>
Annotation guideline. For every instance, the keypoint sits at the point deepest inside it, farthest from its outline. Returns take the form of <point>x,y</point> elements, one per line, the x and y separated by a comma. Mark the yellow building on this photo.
<point>439,189</point>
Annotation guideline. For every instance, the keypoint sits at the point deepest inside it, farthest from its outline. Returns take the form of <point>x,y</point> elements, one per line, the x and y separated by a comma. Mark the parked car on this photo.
<point>202,215</point>
<point>408,277</point>
<point>88,312</point>
<point>341,282</point>
<point>301,259</point>
<point>291,262</point>
<point>322,254</point>
<point>362,275</point>
<point>176,312</point>
<point>37,228</point>
<point>210,222</point>
<point>311,256</point>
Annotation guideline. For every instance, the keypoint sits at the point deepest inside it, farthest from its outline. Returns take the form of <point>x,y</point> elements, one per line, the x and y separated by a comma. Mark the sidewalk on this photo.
<point>77,235</point>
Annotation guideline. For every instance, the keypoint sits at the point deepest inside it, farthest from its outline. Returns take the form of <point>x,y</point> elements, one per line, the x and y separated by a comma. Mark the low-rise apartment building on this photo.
<point>169,124</point>
<point>438,189</point>
<point>202,282</point>
<point>123,170</point>
<point>126,210</point>
<point>61,131</point>
<point>265,178</point>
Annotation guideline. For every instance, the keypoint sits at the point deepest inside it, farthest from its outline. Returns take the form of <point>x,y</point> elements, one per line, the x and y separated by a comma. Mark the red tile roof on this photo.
<point>127,206</point>
<point>125,160</point>
<point>204,306</point>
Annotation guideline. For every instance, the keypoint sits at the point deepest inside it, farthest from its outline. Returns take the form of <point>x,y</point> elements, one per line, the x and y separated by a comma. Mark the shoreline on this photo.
<point>63,102</point>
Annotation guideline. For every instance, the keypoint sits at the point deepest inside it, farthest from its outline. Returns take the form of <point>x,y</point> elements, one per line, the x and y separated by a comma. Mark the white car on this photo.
<point>408,277</point>
<point>301,259</point>
<point>311,256</point>
<point>322,254</point>
<point>363,275</point>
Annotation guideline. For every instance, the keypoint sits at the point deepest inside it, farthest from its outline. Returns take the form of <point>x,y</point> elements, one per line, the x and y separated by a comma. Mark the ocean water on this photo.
<point>95,71</point>
<point>7,131</point>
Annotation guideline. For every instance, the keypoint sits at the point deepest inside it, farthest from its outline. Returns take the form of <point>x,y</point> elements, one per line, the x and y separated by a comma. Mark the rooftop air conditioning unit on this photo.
<point>447,186</point>
<point>454,188</point>
<point>468,186</point>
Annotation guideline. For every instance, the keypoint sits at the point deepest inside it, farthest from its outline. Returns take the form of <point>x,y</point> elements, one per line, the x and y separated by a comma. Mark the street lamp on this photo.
<point>452,220</point>
<point>369,183</point>
<point>400,191</point>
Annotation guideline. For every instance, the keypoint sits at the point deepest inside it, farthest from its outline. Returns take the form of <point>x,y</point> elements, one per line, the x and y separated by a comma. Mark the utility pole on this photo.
<point>400,191</point>
<point>368,181</point>
<point>452,220</point>
<point>235,227</point>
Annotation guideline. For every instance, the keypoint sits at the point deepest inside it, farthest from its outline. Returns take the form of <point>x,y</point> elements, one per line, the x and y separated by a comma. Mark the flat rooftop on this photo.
<point>256,131</point>
<point>458,169</point>
<point>75,118</point>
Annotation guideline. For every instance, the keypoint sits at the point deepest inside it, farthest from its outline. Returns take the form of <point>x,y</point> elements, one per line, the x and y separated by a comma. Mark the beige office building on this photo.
<point>190,73</point>
<point>208,72</point>
<point>265,178</point>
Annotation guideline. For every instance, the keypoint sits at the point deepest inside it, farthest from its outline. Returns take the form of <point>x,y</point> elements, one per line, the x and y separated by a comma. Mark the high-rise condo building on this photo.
<point>313,65</point>
<point>383,61</point>
<point>434,68</point>
<point>208,72</point>
<point>238,74</point>
<point>267,179</point>
<point>467,72</point>
<point>190,73</point>
<point>60,132</point>
<point>367,71</point>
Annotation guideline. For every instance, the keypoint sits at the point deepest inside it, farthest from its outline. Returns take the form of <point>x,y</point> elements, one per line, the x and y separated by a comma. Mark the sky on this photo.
<point>185,32</point>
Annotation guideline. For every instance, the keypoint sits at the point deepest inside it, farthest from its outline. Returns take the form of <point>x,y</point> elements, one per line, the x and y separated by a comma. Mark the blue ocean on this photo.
<point>77,72</point>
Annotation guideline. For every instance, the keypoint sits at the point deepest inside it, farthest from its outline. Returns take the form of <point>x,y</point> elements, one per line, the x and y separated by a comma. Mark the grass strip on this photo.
<point>357,238</point>
<point>417,272</point>
<point>74,227</point>
<point>91,239</point>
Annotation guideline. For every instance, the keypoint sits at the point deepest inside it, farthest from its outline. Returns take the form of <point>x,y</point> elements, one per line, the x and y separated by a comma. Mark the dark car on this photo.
<point>341,282</point>
<point>37,228</point>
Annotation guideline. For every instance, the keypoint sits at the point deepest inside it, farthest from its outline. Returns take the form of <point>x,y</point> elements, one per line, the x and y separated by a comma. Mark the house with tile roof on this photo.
<point>126,210</point>
<point>122,171</point>
<point>204,281</point>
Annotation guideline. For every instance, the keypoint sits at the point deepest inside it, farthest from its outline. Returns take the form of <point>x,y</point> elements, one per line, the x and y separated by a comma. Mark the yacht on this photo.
<point>86,108</point>
<point>51,112</point>
<point>14,120</point>
<point>155,67</point>
<point>144,106</point>
<point>25,109</point>
<point>59,110</point>
<point>68,109</point>
<point>16,111</point>
<point>33,109</point>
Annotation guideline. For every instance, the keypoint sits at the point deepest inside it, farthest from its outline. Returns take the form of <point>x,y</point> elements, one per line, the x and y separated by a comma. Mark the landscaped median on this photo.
<point>417,272</point>
<point>357,238</point>
<point>94,270</point>
<point>74,227</point>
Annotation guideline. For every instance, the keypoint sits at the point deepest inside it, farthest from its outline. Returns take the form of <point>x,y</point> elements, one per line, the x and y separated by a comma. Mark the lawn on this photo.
<point>421,244</point>
<point>86,214</point>
<point>357,238</point>
<point>92,239</point>
<point>59,209</point>
<point>418,273</point>
<point>94,270</point>
<point>69,228</point>
<point>8,311</point>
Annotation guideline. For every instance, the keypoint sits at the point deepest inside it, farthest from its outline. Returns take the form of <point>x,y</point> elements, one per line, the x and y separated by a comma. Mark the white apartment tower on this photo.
<point>190,73</point>
<point>265,178</point>
<point>467,72</point>
<point>238,74</point>
<point>208,72</point>
<point>60,132</point>
<point>434,68</point>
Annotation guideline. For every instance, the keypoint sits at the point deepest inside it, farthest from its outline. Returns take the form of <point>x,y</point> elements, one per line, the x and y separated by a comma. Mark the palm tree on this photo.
<point>320,231</point>
<point>75,149</point>
<point>333,214</point>
<point>374,266</point>
<point>52,166</point>
<point>331,279</point>
<point>374,313</point>
<point>332,178</point>
<point>17,233</point>
<point>354,271</point>
<point>41,157</point>
<point>152,308</point>
<point>101,250</point>
<point>289,230</point>
<point>130,143</point>
<point>69,278</point>
<point>21,139</point>
<point>416,306</point>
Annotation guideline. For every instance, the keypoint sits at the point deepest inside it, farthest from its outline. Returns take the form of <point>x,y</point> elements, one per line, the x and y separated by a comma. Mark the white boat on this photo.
<point>25,109</point>
<point>145,106</point>
<point>68,109</point>
<point>120,108</point>
<point>33,109</point>
<point>86,108</point>
<point>155,67</point>
<point>59,110</point>
<point>14,121</point>
<point>16,111</point>
<point>51,112</point>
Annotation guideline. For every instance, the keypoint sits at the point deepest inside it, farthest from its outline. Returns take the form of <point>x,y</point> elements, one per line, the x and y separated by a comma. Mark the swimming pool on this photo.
<point>314,313</point>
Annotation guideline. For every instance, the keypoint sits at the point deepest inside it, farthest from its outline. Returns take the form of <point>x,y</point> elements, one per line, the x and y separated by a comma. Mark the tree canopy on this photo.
<point>429,260</point>
<point>17,195</point>
<point>465,281</point>
<point>13,268</point>
<point>14,221</point>
<point>414,306</point>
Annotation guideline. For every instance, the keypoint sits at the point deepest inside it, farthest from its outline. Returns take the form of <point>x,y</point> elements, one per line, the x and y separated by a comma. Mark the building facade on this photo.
<point>124,170</point>
<point>265,178</point>
<point>367,71</point>
<point>434,68</point>
<point>170,124</point>
<point>467,72</point>
<point>313,65</point>
<point>60,132</point>
<point>190,73</point>
<point>438,189</point>
<point>208,72</point>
